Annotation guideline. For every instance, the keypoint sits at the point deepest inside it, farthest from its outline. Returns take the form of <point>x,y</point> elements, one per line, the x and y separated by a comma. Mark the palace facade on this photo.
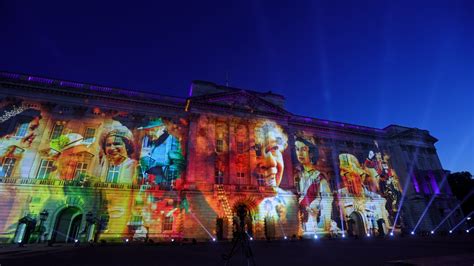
<point>90,163</point>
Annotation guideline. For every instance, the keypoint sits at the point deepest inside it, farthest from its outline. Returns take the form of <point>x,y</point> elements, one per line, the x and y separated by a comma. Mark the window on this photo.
<point>22,129</point>
<point>6,167</point>
<point>219,145</point>
<point>240,171</point>
<point>46,167</point>
<point>81,171</point>
<point>168,223</point>
<point>89,135</point>
<point>113,174</point>
<point>421,164</point>
<point>260,180</point>
<point>219,176</point>
<point>57,131</point>
<point>240,147</point>
<point>136,220</point>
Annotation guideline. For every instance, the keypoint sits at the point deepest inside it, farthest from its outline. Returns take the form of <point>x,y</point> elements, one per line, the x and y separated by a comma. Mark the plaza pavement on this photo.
<point>437,250</point>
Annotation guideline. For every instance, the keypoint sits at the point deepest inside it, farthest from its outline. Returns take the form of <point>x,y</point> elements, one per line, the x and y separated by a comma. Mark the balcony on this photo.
<point>81,183</point>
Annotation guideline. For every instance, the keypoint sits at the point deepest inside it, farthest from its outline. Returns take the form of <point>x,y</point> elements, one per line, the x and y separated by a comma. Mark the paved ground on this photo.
<point>455,250</point>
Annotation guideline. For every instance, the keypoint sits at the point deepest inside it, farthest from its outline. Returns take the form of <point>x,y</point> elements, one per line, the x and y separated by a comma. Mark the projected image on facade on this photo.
<point>120,170</point>
<point>344,195</point>
<point>276,210</point>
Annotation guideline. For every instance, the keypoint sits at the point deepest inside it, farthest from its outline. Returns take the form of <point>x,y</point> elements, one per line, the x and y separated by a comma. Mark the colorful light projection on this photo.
<point>343,194</point>
<point>126,170</point>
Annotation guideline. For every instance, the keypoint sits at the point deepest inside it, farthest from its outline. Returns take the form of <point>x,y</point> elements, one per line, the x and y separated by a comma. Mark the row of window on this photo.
<point>46,167</point>
<point>167,224</point>
<point>22,130</point>
<point>240,146</point>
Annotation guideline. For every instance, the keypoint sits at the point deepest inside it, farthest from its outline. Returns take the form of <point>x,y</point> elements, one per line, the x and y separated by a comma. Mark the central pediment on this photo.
<point>241,99</point>
<point>211,94</point>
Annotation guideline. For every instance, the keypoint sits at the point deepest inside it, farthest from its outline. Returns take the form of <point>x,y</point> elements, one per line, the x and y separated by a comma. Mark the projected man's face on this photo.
<point>156,132</point>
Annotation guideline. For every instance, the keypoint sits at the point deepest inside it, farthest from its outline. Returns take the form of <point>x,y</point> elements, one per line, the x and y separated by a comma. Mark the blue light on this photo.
<point>412,232</point>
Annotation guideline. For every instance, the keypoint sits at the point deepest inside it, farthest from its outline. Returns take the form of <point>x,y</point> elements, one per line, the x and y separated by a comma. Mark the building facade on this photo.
<point>90,163</point>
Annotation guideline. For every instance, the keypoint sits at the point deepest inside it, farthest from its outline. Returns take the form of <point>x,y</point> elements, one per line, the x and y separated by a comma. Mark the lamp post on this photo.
<point>43,217</point>
<point>90,221</point>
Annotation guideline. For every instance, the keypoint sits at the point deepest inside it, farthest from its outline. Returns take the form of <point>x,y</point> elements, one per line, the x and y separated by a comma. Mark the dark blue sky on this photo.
<point>370,63</point>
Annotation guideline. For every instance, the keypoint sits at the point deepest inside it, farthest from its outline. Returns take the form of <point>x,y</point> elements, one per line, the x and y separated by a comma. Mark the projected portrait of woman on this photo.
<point>310,185</point>
<point>270,143</point>
<point>116,143</point>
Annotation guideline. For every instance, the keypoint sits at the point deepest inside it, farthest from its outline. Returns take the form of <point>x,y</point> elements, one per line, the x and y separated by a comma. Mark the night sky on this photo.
<point>371,63</point>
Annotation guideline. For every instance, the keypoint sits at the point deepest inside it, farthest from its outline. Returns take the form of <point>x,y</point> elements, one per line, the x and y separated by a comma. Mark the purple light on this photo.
<point>40,80</point>
<point>434,185</point>
<point>10,75</point>
<point>415,183</point>
<point>100,88</point>
<point>190,90</point>
<point>71,84</point>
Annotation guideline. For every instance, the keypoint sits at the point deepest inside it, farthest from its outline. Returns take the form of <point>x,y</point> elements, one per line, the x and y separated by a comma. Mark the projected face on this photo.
<point>156,132</point>
<point>272,143</point>
<point>115,149</point>
<point>302,153</point>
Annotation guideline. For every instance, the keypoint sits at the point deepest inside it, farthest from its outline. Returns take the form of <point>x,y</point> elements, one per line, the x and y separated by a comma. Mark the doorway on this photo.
<point>67,226</point>
<point>220,228</point>
<point>358,228</point>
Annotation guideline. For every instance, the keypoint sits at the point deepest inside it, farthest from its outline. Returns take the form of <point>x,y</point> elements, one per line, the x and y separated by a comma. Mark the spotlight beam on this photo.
<point>402,200</point>
<point>429,203</point>
<point>462,221</point>
<point>203,227</point>
<point>453,210</point>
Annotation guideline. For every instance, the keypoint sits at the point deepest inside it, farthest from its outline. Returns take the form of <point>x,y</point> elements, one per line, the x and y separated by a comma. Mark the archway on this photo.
<point>358,228</point>
<point>67,225</point>
<point>242,211</point>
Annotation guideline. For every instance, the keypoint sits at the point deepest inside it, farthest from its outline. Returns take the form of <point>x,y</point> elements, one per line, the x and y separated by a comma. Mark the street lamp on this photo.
<point>43,217</point>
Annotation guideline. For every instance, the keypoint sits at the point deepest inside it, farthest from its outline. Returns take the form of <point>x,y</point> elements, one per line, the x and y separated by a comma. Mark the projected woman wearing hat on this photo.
<point>117,145</point>
<point>310,185</point>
